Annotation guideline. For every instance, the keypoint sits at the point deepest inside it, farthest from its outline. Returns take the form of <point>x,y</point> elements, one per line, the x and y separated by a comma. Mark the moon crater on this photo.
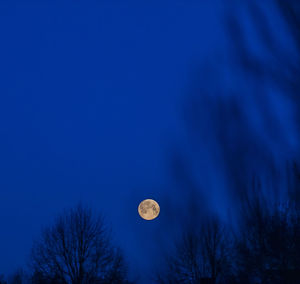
<point>148,209</point>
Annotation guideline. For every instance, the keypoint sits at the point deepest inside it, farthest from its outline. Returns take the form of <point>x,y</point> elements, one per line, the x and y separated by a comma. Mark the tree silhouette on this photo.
<point>2,280</point>
<point>269,244</point>
<point>249,135</point>
<point>18,277</point>
<point>77,250</point>
<point>201,256</point>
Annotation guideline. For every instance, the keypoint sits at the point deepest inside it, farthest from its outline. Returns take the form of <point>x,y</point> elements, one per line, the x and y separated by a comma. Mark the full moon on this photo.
<point>148,209</point>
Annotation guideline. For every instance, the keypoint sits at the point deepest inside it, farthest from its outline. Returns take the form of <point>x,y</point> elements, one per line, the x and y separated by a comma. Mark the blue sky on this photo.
<point>91,106</point>
<point>90,103</point>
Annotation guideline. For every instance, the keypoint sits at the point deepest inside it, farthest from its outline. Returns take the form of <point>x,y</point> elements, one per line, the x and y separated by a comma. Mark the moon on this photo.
<point>149,209</point>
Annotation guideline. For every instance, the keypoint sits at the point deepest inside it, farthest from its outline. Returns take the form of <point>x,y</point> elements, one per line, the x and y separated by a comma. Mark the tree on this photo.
<point>269,244</point>
<point>18,277</point>
<point>77,250</point>
<point>200,257</point>
<point>2,280</point>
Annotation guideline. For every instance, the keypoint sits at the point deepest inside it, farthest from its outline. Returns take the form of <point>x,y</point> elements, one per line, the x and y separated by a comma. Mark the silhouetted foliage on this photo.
<point>77,250</point>
<point>2,280</point>
<point>265,249</point>
<point>268,246</point>
<point>18,277</point>
<point>246,131</point>
<point>201,256</point>
<point>293,174</point>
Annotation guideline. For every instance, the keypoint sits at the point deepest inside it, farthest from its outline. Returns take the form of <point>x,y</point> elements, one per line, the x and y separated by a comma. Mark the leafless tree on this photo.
<point>77,250</point>
<point>2,280</point>
<point>200,257</point>
<point>269,244</point>
<point>18,277</point>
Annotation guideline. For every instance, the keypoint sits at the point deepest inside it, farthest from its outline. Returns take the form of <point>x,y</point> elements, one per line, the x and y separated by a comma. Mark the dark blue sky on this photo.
<point>91,102</point>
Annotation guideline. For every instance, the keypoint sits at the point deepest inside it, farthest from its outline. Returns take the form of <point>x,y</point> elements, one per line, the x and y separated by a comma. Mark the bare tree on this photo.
<point>77,250</point>
<point>2,280</point>
<point>200,257</point>
<point>18,277</point>
<point>269,244</point>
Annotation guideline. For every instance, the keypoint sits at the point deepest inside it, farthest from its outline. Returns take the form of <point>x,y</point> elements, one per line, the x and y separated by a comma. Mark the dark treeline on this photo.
<point>260,241</point>
<point>76,249</point>
<point>263,248</point>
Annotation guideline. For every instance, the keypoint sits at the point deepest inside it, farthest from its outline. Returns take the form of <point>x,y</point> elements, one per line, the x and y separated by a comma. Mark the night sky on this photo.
<point>97,103</point>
